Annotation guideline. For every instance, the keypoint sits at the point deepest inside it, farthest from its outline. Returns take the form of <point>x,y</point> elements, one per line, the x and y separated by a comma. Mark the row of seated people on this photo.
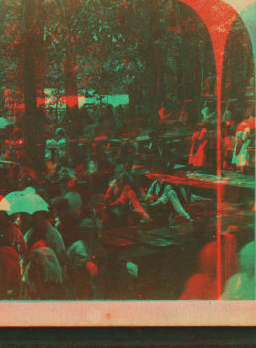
<point>58,250</point>
<point>78,217</point>
<point>75,217</point>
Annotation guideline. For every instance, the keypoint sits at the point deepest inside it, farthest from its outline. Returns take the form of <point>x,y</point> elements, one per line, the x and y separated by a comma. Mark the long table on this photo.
<point>207,181</point>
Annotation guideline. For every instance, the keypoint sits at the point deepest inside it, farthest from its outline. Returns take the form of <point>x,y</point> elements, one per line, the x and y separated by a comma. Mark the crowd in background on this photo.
<point>55,253</point>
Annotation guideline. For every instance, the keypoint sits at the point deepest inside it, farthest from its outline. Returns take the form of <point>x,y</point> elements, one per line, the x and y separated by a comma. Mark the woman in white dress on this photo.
<point>243,140</point>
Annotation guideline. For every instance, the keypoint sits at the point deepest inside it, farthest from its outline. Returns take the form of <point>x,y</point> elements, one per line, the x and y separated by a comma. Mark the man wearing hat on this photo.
<point>208,113</point>
<point>61,142</point>
<point>160,155</point>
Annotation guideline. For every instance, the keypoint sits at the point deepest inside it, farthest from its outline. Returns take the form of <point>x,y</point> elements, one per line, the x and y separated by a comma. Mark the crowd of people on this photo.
<point>237,143</point>
<point>56,253</point>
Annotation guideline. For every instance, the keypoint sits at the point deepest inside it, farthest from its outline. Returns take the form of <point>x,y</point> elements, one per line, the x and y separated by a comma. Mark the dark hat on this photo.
<point>154,135</point>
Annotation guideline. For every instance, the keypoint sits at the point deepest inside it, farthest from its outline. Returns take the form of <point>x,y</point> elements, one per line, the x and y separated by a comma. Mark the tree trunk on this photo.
<point>71,91</point>
<point>42,56</point>
<point>160,87</point>
<point>151,78</point>
<point>2,54</point>
<point>29,84</point>
<point>2,15</point>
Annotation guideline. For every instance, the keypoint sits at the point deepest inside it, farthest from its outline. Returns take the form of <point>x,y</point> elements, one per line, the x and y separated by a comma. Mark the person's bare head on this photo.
<point>119,169</point>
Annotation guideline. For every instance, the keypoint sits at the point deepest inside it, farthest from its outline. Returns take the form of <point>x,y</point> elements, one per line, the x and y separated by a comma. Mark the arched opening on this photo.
<point>238,145</point>
<point>190,73</point>
<point>167,59</point>
<point>238,78</point>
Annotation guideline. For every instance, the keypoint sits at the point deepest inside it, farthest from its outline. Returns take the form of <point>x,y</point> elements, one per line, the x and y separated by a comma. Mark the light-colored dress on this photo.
<point>200,156</point>
<point>156,195</point>
<point>242,158</point>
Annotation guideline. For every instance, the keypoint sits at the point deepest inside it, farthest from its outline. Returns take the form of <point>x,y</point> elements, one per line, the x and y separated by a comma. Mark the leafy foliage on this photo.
<point>152,49</point>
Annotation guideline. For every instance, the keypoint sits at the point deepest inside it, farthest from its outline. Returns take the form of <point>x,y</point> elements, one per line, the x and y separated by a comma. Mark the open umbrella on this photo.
<point>8,201</point>
<point>26,201</point>
<point>249,123</point>
<point>3,123</point>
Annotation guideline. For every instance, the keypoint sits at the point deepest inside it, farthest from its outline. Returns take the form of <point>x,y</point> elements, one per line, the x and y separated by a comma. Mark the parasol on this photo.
<point>3,123</point>
<point>26,201</point>
<point>249,123</point>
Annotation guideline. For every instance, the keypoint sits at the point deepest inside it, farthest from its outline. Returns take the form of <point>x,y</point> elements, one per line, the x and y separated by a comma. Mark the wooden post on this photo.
<point>29,84</point>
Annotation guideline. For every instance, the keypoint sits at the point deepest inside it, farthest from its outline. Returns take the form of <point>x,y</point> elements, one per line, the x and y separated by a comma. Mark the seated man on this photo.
<point>162,195</point>
<point>120,198</point>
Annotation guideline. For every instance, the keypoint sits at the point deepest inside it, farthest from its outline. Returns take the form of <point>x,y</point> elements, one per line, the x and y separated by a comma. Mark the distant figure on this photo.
<point>194,147</point>
<point>204,146</point>
<point>51,143</point>
<point>163,112</point>
<point>209,114</point>
<point>241,155</point>
<point>226,117</point>
<point>18,144</point>
<point>61,142</point>
<point>197,157</point>
<point>227,147</point>
<point>183,118</point>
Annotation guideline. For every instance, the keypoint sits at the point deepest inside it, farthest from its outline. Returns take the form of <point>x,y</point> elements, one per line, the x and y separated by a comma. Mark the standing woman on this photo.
<point>194,146</point>
<point>240,155</point>
<point>200,156</point>
<point>244,154</point>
